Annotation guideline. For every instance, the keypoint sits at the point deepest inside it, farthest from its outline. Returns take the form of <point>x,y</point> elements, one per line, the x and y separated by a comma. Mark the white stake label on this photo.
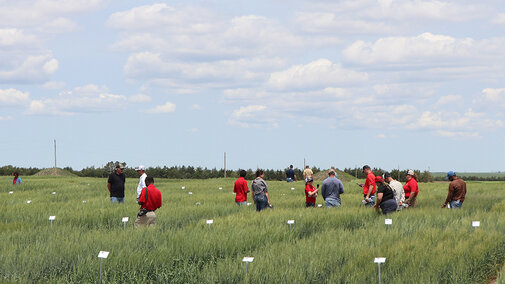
<point>103,254</point>
<point>28,201</point>
<point>291,222</point>
<point>198,203</point>
<point>292,188</point>
<point>183,187</point>
<point>220,188</point>
<point>125,219</point>
<point>11,192</point>
<point>319,205</point>
<point>388,221</point>
<point>248,259</point>
<point>84,201</point>
<point>51,218</point>
<point>475,223</point>
<point>248,204</point>
<point>210,221</point>
<point>379,260</point>
<point>53,193</point>
<point>190,193</point>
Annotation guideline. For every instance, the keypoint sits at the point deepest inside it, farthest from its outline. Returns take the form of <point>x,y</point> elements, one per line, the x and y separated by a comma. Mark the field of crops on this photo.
<point>424,245</point>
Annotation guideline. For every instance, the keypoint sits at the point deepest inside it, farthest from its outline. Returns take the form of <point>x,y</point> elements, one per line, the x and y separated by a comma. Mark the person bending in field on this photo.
<point>411,189</point>
<point>331,189</point>
<point>241,189</point>
<point>142,180</point>
<point>16,180</point>
<point>385,197</point>
<point>307,173</point>
<point>149,201</point>
<point>457,191</point>
<point>290,174</point>
<point>310,193</point>
<point>260,189</point>
<point>397,189</point>
<point>115,185</point>
<point>369,187</point>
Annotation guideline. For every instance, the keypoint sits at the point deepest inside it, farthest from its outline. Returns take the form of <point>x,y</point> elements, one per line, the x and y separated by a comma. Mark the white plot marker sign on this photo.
<point>379,260</point>
<point>210,222</point>
<point>183,187</point>
<point>388,222</point>
<point>11,192</point>
<point>53,193</point>
<point>190,193</point>
<point>290,222</point>
<point>292,188</point>
<point>475,224</point>
<point>28,201</point>
<point>319,205</point>
<point>220,188</point>
<point>52,218</point>
<point>247,260</point>
<point>102,255</point>
<point>125,220</point>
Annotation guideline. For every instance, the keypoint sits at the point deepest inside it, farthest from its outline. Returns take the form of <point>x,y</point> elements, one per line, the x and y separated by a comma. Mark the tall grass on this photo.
<point>424,245</point>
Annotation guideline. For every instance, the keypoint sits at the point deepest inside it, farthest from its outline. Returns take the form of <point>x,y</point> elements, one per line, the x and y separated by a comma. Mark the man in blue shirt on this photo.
<point>331,189</point>
<point>290,174</point>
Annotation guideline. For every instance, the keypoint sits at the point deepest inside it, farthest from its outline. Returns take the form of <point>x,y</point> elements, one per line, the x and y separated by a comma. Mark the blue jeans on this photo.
<point>261,201</point>
<point>117,199</point>
<point>289,180</point>
<point>241,203</point>
<point>456,204</point>
<point>371,203</point>
<point>330,202</point>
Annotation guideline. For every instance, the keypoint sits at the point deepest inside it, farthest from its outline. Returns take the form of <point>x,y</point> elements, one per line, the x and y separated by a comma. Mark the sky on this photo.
<point>393,84</point>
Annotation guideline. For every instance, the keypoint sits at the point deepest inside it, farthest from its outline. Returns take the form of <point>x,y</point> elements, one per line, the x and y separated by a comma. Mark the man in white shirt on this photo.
<point>142,181</point>
<point>397,188</point>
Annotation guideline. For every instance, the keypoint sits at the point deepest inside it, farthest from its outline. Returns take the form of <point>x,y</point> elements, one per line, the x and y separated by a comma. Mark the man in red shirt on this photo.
<point>369,187</point>
<point>310,193</point>
<point>241,189</point>
<point>149,200</point>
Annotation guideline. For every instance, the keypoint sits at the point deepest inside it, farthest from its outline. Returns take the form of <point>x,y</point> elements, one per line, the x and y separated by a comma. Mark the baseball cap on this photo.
<point>309,179</point>
<point>119,166</point>
<point>450,174</point>
<point>141,168</point>
<point>366,167</point>
<point>410,172</point>
<point>378,179</point>
<point>386,175</point>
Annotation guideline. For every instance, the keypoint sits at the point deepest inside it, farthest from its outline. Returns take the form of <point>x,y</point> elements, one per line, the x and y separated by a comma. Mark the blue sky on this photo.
<point>414,84</point>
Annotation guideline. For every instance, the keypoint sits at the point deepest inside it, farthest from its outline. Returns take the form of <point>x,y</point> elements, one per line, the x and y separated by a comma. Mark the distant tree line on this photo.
<point>190,172</point>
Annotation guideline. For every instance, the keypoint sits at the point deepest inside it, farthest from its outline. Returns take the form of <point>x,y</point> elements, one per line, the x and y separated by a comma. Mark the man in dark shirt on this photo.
<point>115,184</point>
<point>290,174</point>
<point>457,191</point>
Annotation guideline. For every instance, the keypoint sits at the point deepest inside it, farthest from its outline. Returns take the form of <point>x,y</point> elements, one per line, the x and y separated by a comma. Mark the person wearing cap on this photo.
<point>290,174</point>
<point>411,189</point>
<point>307,173</point>
<point>149,201</point>
<point>397,189</point>
<point>115,184</point>
<point>142,181</point>
<point>331,189</point>
<point>385,197</point>
<point>240,188</point>
<point>16,180</point>
<point>457,191</point>
<point>260,189</point>
<point>310,193</point>
<point>369,187</point>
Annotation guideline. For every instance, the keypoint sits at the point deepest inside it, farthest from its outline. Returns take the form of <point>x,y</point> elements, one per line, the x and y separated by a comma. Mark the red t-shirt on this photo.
<point>241,190</point>
<point>153,201</point>
<point>308,189</point>
<point>411,187</point>
<point>370,180</point>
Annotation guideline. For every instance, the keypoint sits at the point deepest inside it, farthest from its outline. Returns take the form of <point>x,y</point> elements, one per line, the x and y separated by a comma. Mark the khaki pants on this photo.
<point>413,202</point>
<point>147,220</point>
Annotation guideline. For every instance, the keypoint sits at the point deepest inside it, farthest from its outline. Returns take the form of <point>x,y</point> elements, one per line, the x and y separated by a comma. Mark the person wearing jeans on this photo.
<point>260,190</point>
<point>457,191</point>
<point>331,189</point>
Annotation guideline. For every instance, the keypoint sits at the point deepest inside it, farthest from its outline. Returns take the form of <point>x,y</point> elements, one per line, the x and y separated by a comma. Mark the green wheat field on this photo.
<point>427,244</point>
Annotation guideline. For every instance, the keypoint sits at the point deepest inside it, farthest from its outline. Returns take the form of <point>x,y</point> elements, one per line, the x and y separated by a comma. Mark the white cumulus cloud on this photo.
<point>165,108</point>
<point>13,97</point>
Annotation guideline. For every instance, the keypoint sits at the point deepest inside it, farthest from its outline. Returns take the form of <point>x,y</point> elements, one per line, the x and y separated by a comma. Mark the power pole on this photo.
<point>304,163</point>
<point>55,154</point>
<point>225,164</point>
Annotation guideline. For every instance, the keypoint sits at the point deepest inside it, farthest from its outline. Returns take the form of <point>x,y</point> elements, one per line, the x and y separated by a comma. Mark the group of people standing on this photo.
<point>148,196</point>
<point>381,192</point>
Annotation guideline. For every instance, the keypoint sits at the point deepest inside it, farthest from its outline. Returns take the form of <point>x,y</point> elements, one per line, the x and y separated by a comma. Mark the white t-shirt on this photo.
<point>142,184</point>
<point>398,190</point>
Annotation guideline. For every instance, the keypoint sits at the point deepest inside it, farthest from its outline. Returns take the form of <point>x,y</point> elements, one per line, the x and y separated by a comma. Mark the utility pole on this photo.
<point>304,163</point>
<point>55,154</point>
<point>225,164</point>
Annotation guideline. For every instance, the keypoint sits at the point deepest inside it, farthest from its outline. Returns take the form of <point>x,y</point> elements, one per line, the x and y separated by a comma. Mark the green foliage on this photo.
<point>424,245</point>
